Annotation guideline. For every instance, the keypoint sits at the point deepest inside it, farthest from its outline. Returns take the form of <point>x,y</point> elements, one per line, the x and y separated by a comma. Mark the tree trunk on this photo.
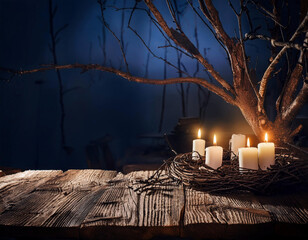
<point>279,132</point>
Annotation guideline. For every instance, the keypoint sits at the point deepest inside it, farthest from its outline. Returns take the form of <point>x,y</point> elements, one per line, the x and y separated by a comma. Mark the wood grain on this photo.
<point>152,212</point>
<point>96,204</point>
<point>231,209</point>
<point>78,180</point>
<point>14,187</point>
<point>61,202</point>
<point>223,216</point>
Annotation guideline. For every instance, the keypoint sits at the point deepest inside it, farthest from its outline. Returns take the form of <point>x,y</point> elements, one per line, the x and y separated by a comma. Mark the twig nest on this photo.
<point>287,173</point>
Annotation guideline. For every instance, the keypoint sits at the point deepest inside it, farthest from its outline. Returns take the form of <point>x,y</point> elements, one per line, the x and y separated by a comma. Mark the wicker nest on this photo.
<point>287,171</point>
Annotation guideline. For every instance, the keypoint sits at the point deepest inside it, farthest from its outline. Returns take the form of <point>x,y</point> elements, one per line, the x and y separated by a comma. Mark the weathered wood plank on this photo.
<point>287,208</point>
<point>14,187</point>
<point>220,216</point>
<point>142,214</point>
<point>78,180</point>
<point>61,203</point>
<point>231,209</point>
<point>289,213</point>
<point>105,204</point>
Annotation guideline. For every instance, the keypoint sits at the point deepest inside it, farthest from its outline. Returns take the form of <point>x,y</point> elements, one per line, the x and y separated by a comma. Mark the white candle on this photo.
<point>248,157</point>
<point>213,156</point>
<point>237,141</point>
<point>198,146</point>
<point>266,153</point>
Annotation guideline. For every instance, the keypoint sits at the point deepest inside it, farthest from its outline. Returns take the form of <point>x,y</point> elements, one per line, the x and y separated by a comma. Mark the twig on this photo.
<point>271,67</point>
<point>168,142</point>
<point>148,48</point>
<point>183,41</point>
<point>113,34</point>
<point>239,20</point>
<point>297,148</point>
<point>162,112</point>
<point>171,10</point>
<point>211,30</point>
<point>275,43</point>
<point>267,13</point>
<point>54,39</point>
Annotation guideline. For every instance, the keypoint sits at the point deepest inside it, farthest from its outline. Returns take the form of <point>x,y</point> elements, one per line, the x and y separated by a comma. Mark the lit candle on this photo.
<point>266,153</point>
<point>237,141</point>
<point>213,156</point>
<point>198,146</point>
<point>248,157</point>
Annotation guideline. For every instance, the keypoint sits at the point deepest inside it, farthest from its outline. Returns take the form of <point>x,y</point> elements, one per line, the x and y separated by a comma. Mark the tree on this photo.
<point>245,92</point>
<point>54,35</point>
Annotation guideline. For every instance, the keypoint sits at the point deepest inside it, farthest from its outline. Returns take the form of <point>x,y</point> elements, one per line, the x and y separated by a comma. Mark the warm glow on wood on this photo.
<point>199,133</point>
<point>214,140</point>
<point>266,137</point>
<point>248,142</point>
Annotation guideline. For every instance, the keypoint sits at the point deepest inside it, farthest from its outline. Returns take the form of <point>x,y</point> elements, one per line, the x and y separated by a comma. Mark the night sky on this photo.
<point>98,103</point>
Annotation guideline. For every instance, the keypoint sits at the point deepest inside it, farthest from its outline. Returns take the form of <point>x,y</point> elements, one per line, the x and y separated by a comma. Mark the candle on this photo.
<point>248,157</point>
<point>213,156</point>
<point>198,146</point>
<point>237,141</point>
<point>266,153</point>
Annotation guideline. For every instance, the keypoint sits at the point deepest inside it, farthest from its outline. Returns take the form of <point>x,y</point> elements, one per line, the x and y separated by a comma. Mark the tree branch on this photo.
<point>212,15</point>
<point>113,34</point>
<point>171,10</point>
<point>181,40</point>
<point>267,74</point>
<point>53,36</point>
<point>274,43</point>
<point>287,93</point>
<point>297,104</point>
<point>267,13</point>
<point>163,100</point>
<point>211,30</point>
<point>239,20</point>
<point>86,67</point>
<point>148,48</point>
<point>296,130</point>
<point>233,49</point>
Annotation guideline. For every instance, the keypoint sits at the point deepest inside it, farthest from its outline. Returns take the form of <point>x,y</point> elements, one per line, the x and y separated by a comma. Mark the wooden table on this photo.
<point>102,204</point>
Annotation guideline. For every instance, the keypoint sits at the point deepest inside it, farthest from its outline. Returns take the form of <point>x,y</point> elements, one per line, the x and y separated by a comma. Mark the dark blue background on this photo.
<point>98,103</point>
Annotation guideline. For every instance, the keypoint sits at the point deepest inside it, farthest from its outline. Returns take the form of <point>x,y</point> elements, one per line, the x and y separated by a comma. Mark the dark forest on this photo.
<point>50,116</point>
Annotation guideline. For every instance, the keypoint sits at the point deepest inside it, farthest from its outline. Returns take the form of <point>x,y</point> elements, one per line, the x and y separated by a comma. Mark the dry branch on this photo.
<point>113,34</point>
<point>147,46</point>
<point>287,94</point>
<point>54,39</point>
<point>268,72</point>
<point>243,92</point>
<point>267,13</point>
<point>297,104</point>
<point>211,13</point>
<point>287,171</point>
<point>239,20</point>
<point>86,67</point>
<point>211,30</point>
<point>182,40</point>
<point>273,42</point>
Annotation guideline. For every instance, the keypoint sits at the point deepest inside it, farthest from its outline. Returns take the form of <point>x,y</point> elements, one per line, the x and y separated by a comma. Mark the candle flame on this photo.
<point>199,133</point>
<point>248,142</point>
<point>266,137</point>
<point>214,140</point>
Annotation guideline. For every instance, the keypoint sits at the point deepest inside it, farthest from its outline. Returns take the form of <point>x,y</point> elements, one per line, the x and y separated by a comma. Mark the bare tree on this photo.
<point>244,92</point>
<point>54,35</point>
<point>163,100</point>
